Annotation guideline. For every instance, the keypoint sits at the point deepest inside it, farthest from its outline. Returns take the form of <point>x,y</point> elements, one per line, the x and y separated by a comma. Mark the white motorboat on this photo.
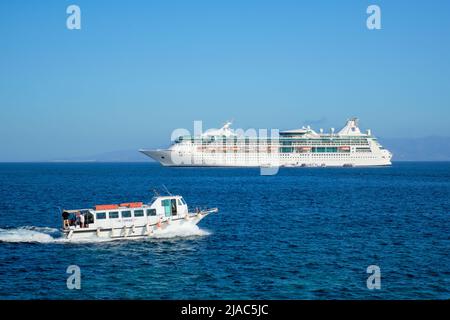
<point>130,220</point>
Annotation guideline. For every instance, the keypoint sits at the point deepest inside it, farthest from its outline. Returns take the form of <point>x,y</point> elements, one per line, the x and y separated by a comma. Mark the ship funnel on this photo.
<point>351,128</point>
<point>369,132</point>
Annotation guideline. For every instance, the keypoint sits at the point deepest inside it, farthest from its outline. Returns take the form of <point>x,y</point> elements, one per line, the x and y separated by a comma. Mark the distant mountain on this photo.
<point>404,149</point>
<point>112,156</point>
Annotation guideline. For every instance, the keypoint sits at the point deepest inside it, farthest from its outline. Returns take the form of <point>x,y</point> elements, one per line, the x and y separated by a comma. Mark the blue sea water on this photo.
<point>306,233</point>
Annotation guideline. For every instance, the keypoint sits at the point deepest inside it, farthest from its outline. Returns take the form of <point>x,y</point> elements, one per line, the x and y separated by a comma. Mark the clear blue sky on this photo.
<point>138,69</point>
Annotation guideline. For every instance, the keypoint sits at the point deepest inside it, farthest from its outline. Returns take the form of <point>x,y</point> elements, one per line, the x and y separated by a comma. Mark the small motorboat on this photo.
<point>130,220</point>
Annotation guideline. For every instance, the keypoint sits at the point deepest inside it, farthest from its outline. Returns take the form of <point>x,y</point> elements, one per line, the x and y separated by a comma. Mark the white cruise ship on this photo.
<point>293,148</point>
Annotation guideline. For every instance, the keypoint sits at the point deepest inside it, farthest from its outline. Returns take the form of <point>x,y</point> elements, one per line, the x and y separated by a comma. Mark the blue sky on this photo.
<point>139,69</point>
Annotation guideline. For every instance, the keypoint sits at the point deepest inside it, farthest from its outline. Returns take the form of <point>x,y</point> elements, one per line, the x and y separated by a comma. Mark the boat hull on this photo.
<point>131,232</point>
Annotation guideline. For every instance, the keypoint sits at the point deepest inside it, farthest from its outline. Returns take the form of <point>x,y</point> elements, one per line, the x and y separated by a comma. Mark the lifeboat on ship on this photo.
<point>304,149</point>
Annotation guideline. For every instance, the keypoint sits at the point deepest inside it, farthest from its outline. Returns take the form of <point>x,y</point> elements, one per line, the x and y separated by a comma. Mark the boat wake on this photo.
<point>176,231</point>
<point>31,234</point>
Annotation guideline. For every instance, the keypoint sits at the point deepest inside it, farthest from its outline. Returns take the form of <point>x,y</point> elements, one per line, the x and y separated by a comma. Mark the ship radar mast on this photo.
<point>227,125</point>
<point>224,131</point>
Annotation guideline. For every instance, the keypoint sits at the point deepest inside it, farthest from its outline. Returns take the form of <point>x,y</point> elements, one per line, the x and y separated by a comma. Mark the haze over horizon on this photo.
<point>137,70</point>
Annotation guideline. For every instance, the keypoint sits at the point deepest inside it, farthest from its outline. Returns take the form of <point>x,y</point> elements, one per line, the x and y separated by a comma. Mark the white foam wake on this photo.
<point>30,234</point>
<point>183,230</point>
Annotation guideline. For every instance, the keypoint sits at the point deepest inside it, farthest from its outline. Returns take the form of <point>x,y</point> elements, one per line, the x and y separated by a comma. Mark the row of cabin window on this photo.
<point>124,214</point>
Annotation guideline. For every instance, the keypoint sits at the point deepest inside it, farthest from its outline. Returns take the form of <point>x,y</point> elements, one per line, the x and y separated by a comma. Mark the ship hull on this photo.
<point>171,159</point>
<point>164,157</point>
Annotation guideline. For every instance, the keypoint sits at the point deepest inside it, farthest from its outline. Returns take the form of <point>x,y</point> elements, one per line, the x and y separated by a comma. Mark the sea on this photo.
<point>304,233</point>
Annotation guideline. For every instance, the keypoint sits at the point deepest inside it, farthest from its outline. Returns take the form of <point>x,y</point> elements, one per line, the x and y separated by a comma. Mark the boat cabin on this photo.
<point>162,208</point>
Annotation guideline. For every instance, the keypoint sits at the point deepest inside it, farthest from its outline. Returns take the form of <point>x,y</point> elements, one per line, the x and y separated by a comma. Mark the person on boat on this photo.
<point>65,216</point>
<point>72,219</point>
<point>78,221</point>
<point>81,221</point>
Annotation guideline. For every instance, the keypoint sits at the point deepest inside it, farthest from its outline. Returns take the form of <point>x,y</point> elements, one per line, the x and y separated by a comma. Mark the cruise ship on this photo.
<point>302,147</point>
